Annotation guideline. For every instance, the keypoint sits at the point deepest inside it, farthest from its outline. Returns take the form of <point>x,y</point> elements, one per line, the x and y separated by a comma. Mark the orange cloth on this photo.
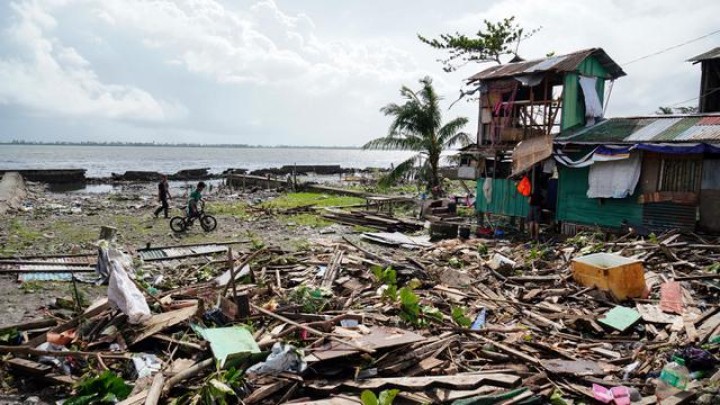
<point>524,187</point>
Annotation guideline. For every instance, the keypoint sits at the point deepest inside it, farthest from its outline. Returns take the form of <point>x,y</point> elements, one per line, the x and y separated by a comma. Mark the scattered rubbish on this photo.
<point>457,321</point>
<point>146,364</point>
<point>283,357</point>
<point>125,295</point>
<point>479,321</point>
<point>230,344</point>
<point>620,318</point>
<point>621,276</point>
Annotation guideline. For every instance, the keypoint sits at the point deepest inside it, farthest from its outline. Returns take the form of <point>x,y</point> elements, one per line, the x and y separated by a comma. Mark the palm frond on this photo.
<point>450,130</point>
<point>393,143</point>
<point>399,171</point>
<point>461,138</point>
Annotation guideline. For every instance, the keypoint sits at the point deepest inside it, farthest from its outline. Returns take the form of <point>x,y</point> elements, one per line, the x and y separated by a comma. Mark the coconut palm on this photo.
<point>417,126</point>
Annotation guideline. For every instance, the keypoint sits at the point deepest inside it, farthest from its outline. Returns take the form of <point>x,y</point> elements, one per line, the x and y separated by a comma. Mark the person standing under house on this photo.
<point>535,213</point>
<point>163,196</point>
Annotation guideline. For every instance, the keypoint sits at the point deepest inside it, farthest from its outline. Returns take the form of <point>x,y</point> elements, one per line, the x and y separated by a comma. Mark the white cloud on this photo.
<point>261,45</point>
<point>50,77</point>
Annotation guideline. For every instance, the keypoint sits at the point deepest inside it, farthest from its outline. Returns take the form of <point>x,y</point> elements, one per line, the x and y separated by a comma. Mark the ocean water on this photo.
<point>101,161</point>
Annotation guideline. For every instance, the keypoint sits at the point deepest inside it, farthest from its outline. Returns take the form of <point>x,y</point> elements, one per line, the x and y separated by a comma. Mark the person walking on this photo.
<point>163,196</point>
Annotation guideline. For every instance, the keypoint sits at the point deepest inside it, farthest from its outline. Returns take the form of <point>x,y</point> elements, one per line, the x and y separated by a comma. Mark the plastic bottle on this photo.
<point>673,379</point>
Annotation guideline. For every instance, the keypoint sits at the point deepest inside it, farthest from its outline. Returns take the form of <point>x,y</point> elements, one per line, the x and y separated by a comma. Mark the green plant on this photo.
<point>9,336</point>
<point>385,275</point>
<point>713,268</point>
<point>482,249</point>
<point>652,238</point>
<point>104,388</point>
<point>311,300</point>
<point>409,306</point>
<point>459,317</point>
<point>455,263</point>
<point>386,397</point>
<point>221,387</point>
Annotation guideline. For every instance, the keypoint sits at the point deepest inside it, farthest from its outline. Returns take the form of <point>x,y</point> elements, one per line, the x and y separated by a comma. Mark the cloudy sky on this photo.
<point>301,72</point>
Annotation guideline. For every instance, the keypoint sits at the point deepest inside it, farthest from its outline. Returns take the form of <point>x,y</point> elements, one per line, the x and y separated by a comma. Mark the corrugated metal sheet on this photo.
<point>648,130</point>
<point>505,199</point>
<point>652,130</point>
<point>713,120</point>
<point>560,63</point>
<point>666,215</point>
<point>44,277</point>
<point>711,54</point>
<point>705,133</point>
<point>171,253</point>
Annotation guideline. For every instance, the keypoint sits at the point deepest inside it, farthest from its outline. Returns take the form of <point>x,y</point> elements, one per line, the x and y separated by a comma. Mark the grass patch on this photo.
<point>294,200</point>
<point>311,220</point>
<point>235,209</point>
<point>20,236</point>
<point>363,228</point>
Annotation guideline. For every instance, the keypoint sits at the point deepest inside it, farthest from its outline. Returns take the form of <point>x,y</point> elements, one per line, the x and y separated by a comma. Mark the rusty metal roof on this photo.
<point>656,129</point>
<point>711,54</point>
<point>558,63</point>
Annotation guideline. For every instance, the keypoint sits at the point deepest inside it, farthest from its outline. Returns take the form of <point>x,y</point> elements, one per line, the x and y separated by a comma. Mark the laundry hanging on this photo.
<point>614,179</point>
<point>487,189</point>
<point>593,106</point>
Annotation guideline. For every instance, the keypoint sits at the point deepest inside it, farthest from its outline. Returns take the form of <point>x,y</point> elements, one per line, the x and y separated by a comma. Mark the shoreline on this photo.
<point>78,176</point>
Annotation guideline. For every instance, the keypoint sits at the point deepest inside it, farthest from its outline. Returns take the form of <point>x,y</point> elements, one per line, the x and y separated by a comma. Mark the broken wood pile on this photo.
<point>478,321</point>
<point>374,220</point>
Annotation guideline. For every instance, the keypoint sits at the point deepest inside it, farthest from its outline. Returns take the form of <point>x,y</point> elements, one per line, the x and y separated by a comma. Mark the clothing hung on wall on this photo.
<point>614,179</point>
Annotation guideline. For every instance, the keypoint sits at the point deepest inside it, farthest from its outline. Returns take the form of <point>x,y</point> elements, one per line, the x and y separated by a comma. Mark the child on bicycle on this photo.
<point>194,201</point>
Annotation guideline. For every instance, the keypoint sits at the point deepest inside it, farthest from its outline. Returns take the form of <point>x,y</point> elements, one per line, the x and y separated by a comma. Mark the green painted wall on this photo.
<point>574,206</point>
<point>573,112</point>
<point>505,199</point>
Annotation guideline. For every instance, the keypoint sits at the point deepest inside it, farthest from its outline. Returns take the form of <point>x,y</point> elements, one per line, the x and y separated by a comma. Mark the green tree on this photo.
<point>676,110</point>
<point>417,126</point>
<point>488,44</point>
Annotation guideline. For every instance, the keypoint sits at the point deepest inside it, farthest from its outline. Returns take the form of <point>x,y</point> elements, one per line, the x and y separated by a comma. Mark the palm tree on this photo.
<point>417,126</point>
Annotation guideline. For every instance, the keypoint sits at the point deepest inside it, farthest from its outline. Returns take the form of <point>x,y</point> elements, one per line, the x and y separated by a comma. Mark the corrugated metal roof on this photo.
<point>560,63</point>
<point>711,54</point>
<point>656,129</point>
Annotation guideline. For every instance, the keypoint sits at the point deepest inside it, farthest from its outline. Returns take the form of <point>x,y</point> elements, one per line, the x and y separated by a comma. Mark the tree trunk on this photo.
<point>434,178</point>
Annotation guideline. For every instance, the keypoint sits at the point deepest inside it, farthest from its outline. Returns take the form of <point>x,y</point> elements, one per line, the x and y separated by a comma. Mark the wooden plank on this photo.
<point>29,367</point>
<point>464,381</point>
<point>707,327</point>
<point>160,322</point>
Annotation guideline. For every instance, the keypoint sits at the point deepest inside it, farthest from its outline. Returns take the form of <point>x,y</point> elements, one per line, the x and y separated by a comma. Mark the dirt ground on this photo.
<point>65,223</point>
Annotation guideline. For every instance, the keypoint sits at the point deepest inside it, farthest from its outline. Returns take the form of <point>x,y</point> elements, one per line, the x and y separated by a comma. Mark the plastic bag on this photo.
<point>283,357</point>
<point>124,294</point>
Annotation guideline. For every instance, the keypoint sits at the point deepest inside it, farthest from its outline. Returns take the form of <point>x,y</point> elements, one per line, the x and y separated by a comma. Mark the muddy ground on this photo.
<point>65,223</point>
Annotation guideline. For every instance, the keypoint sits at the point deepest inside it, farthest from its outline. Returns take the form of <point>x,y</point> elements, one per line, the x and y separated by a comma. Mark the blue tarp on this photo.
<point>677,149</point>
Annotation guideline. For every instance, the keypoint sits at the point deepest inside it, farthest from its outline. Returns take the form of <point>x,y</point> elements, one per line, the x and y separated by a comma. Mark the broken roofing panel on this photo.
<point>655,129</point>
<point>560,63</point>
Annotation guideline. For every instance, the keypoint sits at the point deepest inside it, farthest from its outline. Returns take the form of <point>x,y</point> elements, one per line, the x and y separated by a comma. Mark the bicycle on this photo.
<point>181,224</point>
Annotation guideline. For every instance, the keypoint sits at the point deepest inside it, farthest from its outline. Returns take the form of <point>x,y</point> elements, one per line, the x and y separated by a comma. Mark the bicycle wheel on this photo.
<point>208,223</point>
<point>177,224</point>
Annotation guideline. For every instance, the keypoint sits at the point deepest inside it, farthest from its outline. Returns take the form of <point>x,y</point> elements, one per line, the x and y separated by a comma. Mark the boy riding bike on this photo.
<point>194,201</point>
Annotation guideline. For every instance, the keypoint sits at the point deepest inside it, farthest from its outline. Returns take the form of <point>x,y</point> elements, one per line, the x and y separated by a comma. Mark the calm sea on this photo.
<point>100,161</point>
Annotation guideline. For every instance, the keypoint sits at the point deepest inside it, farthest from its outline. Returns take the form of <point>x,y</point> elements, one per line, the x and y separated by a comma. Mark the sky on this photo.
<point>300,72</point>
